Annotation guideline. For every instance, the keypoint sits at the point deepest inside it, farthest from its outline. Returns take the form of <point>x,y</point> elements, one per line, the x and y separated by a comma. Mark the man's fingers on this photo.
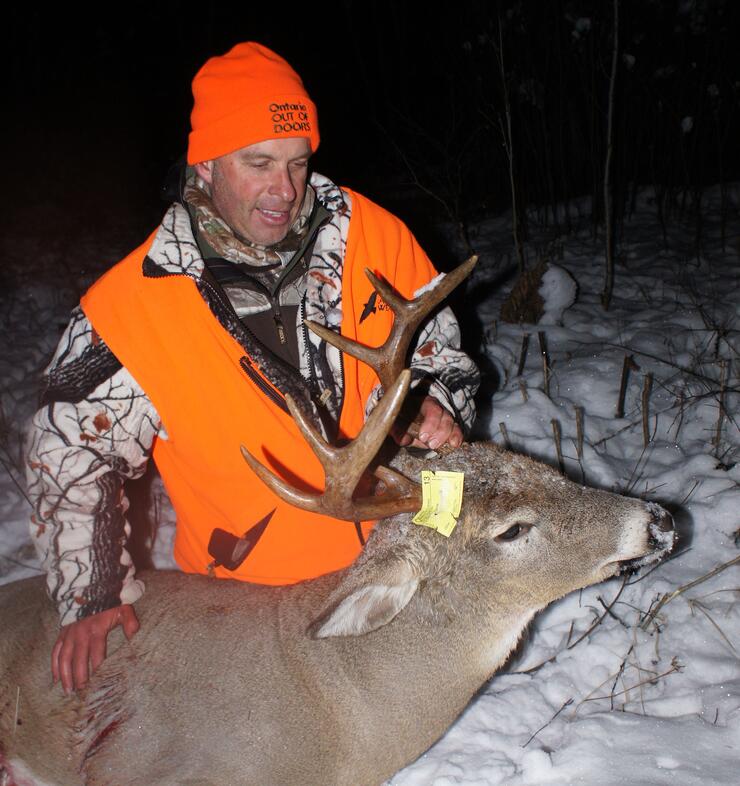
<point>81,662</point>
<point>82,646</point>
<point>433,427</point>
<point>55,653</point>
<point>456,438</point>
<point>432,422</point>
<point>66,659</point>
<point>97,651</point>
<point>437,426</point>
<point>129,621</point>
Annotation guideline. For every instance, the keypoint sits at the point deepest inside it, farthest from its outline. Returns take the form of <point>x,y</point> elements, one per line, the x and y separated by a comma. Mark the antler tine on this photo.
<point>389,359</point>
<point>344,466</point>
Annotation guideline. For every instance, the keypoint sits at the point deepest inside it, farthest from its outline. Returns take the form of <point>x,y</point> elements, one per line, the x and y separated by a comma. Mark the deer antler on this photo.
<point>390,357</point>
<point>344,466</point>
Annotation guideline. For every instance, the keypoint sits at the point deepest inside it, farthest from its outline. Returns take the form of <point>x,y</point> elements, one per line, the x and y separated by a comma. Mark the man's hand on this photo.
<point>81,646</point>
<point>432,428</point>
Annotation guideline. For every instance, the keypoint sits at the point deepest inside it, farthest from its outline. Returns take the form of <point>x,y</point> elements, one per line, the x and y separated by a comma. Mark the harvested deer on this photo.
<point>341,680</point>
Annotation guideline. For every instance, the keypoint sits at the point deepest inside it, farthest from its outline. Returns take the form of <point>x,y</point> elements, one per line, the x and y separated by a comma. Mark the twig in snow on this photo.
<point>523,389</point>
<point>723,364</point>
<point>590,630</point>
<point>545,363</point>
<point>612,614</point>
<point>634,477</point>
<point>646,388</point>
<point>566,704</point>
<point>505,435</point>
<point>558,449</point>
<point>627,366</point>
<point>606,293</point>
<point>683,369</point>
<point>695,603</point>
<point>523,354</point>
<point>691,491</point>
<point>669,596</point>
<point>675,667</point>
<point>579,433</point>
<point>619,674</point>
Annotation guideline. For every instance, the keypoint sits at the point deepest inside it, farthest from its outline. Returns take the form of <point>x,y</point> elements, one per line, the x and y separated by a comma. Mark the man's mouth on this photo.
<point>274,216</point>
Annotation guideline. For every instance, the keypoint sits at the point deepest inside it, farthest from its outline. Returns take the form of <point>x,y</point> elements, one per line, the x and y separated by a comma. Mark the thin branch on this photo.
<point>566,704</point>
<point>668,597</point>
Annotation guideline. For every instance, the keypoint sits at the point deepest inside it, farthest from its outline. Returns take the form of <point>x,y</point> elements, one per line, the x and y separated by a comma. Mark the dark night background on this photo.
<point>410,97</point>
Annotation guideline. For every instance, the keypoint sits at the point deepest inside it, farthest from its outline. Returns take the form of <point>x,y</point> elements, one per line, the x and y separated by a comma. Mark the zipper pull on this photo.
<point>276,315</point>
<point>280,329</point>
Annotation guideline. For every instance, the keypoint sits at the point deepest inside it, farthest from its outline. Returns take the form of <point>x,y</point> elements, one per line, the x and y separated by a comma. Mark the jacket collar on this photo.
<point>175,251</point>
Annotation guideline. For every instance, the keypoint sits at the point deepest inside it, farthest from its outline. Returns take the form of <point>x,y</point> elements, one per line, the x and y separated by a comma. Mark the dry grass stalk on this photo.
<point>523,354</point>
<point>695,603</point>
<point>587,633</point>
<point>675,667</point>
<point>565,704</point>
<point>669,596</point>
<point>556,435</point>
<point>545,363</point>
<point>579,433</point>
<point>505,435</point>
<point>720,415</point>
<point>646,388</point>
<point>620,673</point>
<point>627,365</point>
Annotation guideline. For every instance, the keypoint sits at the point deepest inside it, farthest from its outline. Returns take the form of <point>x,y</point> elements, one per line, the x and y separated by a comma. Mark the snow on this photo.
<point>558,291</point>
<point>591,697</point>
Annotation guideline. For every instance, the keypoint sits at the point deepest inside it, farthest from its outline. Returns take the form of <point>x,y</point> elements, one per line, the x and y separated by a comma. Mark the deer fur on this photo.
<point>342,680</point>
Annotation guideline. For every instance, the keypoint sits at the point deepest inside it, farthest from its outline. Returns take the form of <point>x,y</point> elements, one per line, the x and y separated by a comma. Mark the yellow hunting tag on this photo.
<point>441,495</point>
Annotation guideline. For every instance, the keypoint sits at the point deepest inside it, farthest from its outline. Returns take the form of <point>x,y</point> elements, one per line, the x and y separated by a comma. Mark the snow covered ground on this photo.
<point>604,691</point>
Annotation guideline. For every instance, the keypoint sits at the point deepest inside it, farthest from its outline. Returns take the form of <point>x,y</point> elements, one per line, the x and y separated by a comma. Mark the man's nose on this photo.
<point>282,185</point>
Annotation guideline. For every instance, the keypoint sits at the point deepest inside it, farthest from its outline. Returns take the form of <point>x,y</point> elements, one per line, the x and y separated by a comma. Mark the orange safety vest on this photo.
<point>164,333</point>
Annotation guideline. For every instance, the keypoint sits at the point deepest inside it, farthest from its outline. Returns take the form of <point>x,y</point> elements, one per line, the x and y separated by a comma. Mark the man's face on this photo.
<point>258,190</point>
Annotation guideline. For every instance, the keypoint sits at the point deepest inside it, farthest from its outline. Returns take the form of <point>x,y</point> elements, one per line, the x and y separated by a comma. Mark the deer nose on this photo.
<point>662,532</point>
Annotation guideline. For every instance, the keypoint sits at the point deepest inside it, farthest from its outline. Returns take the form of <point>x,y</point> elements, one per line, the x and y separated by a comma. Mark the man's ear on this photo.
<point>204,170</point>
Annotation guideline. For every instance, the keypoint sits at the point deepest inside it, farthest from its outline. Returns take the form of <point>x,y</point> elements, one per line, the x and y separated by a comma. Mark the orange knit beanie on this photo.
<point>248,95</point>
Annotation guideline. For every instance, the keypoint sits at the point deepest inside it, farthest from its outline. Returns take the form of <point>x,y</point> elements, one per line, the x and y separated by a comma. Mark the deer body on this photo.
<point>341,680</point>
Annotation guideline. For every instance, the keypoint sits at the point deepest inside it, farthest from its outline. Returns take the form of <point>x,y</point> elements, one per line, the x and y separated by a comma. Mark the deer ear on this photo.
<point>367,608</point>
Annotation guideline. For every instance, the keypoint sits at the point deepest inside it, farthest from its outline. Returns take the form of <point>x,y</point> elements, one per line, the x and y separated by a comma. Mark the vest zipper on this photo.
<point>278,319</point>
<point>313,377</point>
<point>271,393</point>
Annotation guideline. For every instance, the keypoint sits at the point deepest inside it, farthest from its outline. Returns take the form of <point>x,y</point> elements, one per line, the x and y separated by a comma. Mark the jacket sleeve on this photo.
<point>439,366</point>
<point>94,428</point>
<point>442,370</point>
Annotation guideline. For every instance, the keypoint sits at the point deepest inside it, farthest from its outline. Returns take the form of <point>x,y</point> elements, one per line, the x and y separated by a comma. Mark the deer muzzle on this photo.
<point>660,539</point>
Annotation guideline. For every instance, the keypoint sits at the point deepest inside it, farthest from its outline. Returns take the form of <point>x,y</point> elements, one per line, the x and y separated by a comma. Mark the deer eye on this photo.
<point>515,531</point>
